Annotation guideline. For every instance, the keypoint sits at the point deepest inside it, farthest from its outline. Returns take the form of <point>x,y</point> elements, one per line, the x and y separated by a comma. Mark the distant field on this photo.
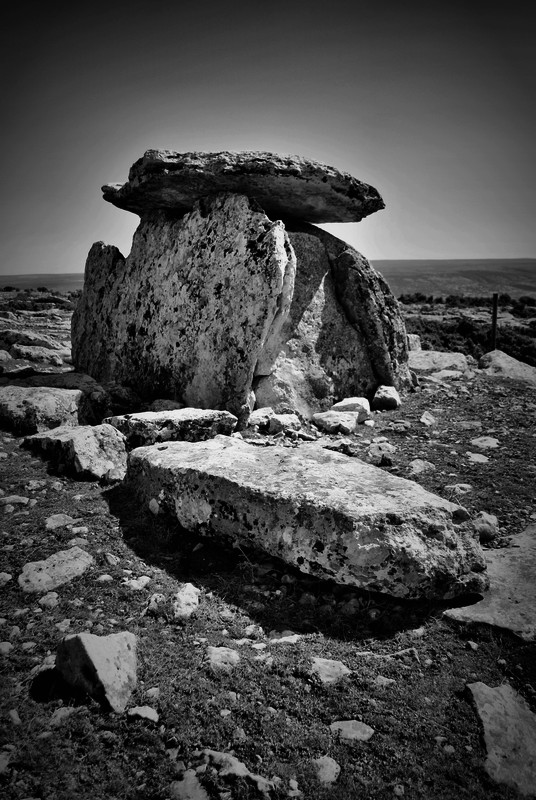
<point>438,277</point>
<point>468,277</point>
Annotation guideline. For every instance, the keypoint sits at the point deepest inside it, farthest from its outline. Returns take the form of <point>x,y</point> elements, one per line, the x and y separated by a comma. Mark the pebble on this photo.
<point>5,577</point>
<point>143,712</point>
<point>352,730</point>
<point>14,717</point>
<point>14,500</point>
<point>222,658</point>
<point>327,770</point>
<point>477,458</point>
<point>137,584</point>
<point>58,521</point>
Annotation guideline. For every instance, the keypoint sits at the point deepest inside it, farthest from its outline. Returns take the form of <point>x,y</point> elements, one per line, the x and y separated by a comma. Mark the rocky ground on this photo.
<point>252,693</point>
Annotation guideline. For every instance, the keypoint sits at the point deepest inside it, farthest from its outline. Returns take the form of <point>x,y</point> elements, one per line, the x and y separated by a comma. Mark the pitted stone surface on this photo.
<point>34,409</point>
<point>320,511</point>
<point>203,294</point>
<point>284,185</point>
<point>184,424</point>
<point>92,452</point>
<point>343,334</point>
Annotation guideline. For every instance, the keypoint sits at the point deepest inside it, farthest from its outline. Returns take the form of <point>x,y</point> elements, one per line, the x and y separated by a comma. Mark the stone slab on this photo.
<point>329,515</point>
<point>284,185</point>
<point>434,360</point>
<point>510,602</point>
<point>509,735</point>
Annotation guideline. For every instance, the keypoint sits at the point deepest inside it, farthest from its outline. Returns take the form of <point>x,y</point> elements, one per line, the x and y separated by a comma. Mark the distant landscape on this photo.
<point>515,276</point>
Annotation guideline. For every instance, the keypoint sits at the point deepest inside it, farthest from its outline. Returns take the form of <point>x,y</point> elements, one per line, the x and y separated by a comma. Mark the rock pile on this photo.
<point>230,297</point>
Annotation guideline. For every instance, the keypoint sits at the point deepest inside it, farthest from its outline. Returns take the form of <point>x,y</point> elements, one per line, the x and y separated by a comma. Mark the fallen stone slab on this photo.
<point>54,571</point>
<point>511,600</point>
<point>339,421</point>
<point>87,452</point>
<point>509,735</point>
<point>498,363</point>
<point>184,424</point>
<point>434,360</point>
<point>328,515</point>
<point>35,409</point>
<point>284,185</point>
<point>105,667</point>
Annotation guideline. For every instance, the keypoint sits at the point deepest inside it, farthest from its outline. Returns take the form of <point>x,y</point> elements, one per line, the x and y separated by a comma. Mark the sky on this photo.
<point>430,102</point>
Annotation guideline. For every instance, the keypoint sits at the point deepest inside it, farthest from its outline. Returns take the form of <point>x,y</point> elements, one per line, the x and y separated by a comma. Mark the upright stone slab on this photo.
<point>343,335</point>
<point>330,516</point>
<point>190,309</point>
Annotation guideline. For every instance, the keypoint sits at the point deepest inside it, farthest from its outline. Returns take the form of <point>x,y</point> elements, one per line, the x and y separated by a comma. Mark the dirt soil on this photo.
<point>271,712</point>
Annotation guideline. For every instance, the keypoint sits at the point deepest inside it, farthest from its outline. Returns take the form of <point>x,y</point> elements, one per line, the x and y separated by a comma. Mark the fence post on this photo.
<point>494,321</point>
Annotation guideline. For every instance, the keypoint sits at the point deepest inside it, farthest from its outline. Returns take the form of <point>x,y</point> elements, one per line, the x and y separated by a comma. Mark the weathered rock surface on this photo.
<point>320,511</point>
<point>511,600</point>
<point>28,338</point>
<point>41,355</point>
<point>184,424</point>
<point>224,301</point>
<point>386,398</point>
<point>343,334</point>
<point>30,410</point>
<point>285,186</point>
<point>204,293</point>
<point>509,734</point>
<point>103,666</point>
<point>498,363</point>
<point>87,452</point>
<point>433,360</point>
<point>54,571</point>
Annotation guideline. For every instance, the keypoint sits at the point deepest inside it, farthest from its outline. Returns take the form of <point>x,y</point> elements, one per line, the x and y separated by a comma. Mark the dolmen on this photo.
<point>231,298</point>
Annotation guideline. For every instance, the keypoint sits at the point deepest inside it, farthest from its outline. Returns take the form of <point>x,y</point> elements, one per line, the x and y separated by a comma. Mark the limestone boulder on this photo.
<point>328,515</point>
<point>35,409</point>
<point>498,363</point>
<point>284,185</point>
<point>434,360</point>
<point>105,667</point>
<point>188,312</point>
<point>86,452</point>
<point>184,424</point>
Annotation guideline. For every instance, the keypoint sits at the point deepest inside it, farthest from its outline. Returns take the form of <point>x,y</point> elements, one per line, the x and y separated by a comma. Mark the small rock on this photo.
<point>418,466</point>
<point>137,584</point>
<point>222,658</point>
<point>14,717</point>
<point>143,712</point>
<point>485,443</point>
<point>486,527</point>
<point>60,568</point>
<point>188,788</point>
<point>382,681</point>
<point>327,770</point>
<point>58,521</point>
<point>380,454</point>
<point>329,671</point>
<point>337,421</point>
<point>5,577</point>
<point>5,648</point>
<point>427,419</point>
<point>477,458</point>
<point>283,422</point>
<point>186,601</point>
<point>352,730</point>
<point>386,398</point>
<point>61,714</point>
<point>14,500</point>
